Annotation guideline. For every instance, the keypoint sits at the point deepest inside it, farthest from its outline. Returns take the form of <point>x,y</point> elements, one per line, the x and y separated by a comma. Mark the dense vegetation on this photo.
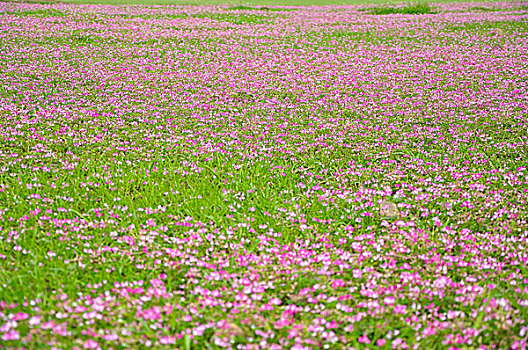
<point>263,177</point>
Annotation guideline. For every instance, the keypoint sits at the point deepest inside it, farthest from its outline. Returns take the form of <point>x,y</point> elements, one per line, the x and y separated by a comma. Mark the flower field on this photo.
<point>206,177</point>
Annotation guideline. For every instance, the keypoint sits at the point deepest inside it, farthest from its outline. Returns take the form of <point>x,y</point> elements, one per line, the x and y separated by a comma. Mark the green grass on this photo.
<point>40,13</point>
<point>263,8</point>
<point>420,8</point>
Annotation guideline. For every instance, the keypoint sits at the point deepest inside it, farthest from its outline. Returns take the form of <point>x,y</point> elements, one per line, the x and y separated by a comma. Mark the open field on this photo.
<point>249,3</point>
<point>263,178</point>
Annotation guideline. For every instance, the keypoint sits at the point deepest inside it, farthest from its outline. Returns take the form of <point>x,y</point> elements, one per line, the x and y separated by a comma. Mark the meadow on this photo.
<point>264,177</point>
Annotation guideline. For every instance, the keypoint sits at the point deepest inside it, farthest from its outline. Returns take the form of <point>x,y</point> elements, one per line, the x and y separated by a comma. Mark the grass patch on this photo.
<point>39,13</point>
<point>236,18</point>
<point>420,8</point>
<point>263,8</point>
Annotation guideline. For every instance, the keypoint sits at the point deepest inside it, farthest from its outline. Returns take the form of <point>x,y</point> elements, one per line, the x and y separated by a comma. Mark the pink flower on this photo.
<point>400,309</point>
<point>10,335</point>
<point>364,339</point>
<point>33,321</point>
<point>90,344</point>
<point>338,283</point>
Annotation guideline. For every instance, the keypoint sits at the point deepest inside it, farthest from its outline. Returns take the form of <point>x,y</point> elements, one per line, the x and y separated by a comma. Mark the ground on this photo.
<point>261,177</point>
